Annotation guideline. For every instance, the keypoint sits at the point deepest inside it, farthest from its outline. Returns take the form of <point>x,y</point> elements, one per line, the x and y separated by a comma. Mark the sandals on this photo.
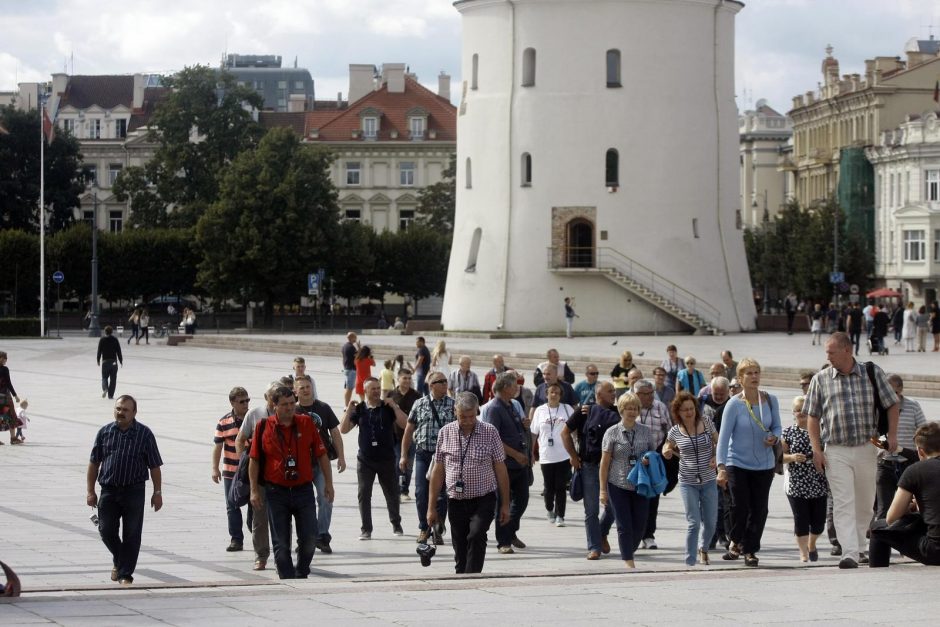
<point>733,553</point>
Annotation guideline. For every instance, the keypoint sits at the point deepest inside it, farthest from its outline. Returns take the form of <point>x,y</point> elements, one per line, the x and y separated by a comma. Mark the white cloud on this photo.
<point>398,26</point>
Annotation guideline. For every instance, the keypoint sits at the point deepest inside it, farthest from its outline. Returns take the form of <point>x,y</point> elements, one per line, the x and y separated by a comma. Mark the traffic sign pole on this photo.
<point>57,277</point>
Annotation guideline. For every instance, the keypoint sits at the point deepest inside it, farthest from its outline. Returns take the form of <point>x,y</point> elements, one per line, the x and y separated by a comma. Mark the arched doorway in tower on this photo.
<point>579,245</point>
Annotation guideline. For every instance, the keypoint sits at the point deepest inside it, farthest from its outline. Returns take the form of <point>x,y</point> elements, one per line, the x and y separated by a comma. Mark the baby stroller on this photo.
<point>876,341</point>
<point>876,345</point>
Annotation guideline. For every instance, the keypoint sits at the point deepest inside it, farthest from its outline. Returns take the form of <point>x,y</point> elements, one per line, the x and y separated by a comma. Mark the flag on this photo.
<point>936,92</point>
<point>47,127</point>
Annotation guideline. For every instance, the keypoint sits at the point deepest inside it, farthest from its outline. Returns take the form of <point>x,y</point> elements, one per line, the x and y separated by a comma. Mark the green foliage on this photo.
<point>19,327</point>
<point>437,203</point>
<point>276,220</point>
<point>140,264</point>
<point>355,262</point>
<point>201,127</point>
<point>19,174</point>
<point>19,277</point>
<point>795,252</point>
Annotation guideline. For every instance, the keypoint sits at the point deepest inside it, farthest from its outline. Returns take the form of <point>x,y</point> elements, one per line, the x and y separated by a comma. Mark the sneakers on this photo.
<point>847,562</point>
<point>506,550</point>
<point>836,550</point>
<point>397,530</point>
<point>559,522</point>
<point>516,542</point>
<point>423,536</point>
<point>550,516</point>
<point>233,546</point>
<point>365,535</point>
<point>403,497</point>
<point>649,543</point>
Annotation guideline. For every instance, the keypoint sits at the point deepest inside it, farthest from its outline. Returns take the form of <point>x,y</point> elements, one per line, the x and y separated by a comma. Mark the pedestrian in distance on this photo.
<point>570,315</point>
<point>109,355</point>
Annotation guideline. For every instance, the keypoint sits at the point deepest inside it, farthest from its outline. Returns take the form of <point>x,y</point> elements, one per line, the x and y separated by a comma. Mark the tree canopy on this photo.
<point>437,203</point>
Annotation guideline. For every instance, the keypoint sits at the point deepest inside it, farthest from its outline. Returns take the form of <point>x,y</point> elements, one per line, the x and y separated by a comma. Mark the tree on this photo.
<point>19,281</point>
<point>19,174</point>
<point>437,203</point>
<point>202,125</point>
<point>276,220</point>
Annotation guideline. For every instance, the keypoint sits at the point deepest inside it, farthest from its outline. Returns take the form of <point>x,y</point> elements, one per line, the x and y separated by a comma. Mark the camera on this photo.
<point>426,552</point>
<point>94,518</point>
<point>290,469</point>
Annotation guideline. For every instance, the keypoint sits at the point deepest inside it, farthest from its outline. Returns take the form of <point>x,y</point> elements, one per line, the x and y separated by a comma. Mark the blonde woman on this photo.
<point>440,359</point>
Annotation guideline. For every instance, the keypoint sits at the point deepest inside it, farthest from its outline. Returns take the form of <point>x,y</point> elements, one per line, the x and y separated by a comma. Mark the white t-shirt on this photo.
<point>547,424</point>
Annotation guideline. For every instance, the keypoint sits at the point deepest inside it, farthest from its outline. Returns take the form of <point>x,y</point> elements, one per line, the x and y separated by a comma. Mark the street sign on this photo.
<point>322,274</point>
<point>837,277</point>
<point>853,289</point>
<point>58,276</point>
<point>843,287</point>
<point>313,284</point>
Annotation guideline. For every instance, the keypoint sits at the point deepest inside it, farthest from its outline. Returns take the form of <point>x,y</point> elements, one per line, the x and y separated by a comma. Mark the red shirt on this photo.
<point>297,441</point>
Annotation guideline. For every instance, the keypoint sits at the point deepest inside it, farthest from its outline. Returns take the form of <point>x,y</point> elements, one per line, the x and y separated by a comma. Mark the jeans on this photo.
<point>851,474</point>
<point>518,502</point>
<point>109,368</point>
<point>420,383</point>
<point>855,337</point>
<point>594,527</point>
<point>701,514</point>
<point>555,478</point>
<point>913,544</point>
<point>630,510</point>
<point>886,484</point>
<point>122,506</point>
<point>324,507</point>
<point>404,478</point>
<point>469,521</point>
<point>299,504</point>
<point>422,463</point>
<point>234,514</point>
<point>367,471</point>
<point>750,490</point>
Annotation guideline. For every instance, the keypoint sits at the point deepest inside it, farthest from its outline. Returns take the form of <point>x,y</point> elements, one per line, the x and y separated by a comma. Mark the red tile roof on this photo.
<point>106,91</point>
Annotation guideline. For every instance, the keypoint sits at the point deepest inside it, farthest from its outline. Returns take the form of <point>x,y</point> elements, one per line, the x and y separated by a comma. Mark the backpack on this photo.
<point>240,493</point>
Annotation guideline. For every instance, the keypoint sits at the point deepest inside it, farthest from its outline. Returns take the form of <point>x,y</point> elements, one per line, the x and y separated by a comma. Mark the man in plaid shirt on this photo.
<point>469,463</point>
<point>655,415</point>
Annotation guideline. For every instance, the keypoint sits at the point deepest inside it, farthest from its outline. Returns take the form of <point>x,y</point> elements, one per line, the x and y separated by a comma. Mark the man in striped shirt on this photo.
<point>125,452</point>
<point>225,433</point>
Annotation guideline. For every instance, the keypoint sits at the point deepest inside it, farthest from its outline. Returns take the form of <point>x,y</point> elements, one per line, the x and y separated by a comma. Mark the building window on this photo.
<point>115,221</point>
<point>914,246</point>
<point>282,84</point>
<point>474,250</point>
<point>406,173</point>
<point>69,126</point>
<point>113,171</point>
<point>94,129</point>
<point>353,215</point>
<point>932,188</point>
<point>370,127</point>
<point>936,245</point>
<point>416,127</point>
<point>612,168</point>
<point>474,70</point>
<point>353,172</point>
<point>528,67</point>
<point>468,175</point>
<point>88,217</point>
<point>90,174</point>
<point>526,169</point>
<point>120,128</point>
<point>405,218</point>
<point>613,68</point>
<point>299,85</point>
<point>695,228</point>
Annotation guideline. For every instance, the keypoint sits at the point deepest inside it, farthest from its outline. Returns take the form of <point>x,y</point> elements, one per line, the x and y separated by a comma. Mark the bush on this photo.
<point>19,327</point>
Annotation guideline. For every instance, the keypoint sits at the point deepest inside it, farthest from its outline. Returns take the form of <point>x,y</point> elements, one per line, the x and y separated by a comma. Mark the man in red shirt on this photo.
<point>282,465</point>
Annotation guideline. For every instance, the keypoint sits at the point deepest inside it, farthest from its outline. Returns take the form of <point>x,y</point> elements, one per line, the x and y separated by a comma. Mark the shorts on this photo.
<point>350,382</point>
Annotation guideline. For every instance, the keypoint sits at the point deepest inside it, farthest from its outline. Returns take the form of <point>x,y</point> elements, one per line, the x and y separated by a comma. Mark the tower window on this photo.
<point>526,169</point>
<point>612,168</point>
<point>528,67</point>
<point>474,250</point>
<point>474,71</point>
<point>613,68</point>
<point>468,175</point>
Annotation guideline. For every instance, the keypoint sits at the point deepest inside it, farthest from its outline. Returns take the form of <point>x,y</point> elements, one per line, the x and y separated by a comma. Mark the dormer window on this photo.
<point>370,123</point>
<point>417,123</point>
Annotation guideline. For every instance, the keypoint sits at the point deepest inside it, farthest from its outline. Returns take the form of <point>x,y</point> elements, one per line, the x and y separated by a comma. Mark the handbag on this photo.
<point>576,488</point>
<point>778,445</point>
<point>240,491</point>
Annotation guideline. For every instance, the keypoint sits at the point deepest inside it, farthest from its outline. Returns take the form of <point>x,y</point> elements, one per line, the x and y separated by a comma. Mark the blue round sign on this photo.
<point>58,276</point>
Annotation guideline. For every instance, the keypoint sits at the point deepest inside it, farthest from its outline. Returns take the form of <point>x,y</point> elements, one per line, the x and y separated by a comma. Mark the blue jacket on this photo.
<point>649,480</point>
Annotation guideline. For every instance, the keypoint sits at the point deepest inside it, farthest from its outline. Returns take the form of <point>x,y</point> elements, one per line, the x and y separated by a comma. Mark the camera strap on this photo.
<point>288,449</point>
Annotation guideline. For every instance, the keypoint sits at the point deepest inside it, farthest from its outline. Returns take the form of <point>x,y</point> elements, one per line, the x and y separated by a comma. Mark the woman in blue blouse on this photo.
<point>750,426</point>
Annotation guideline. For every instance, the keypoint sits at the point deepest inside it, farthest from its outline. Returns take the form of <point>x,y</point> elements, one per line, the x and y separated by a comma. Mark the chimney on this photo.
<point>339,100</point>
<point>296,103</point>
<point>138,91</point>
<point>443,85</point>
<point>916,58</point>
<point>60,83</point>
<point>360,80</point>
<point>393,75</point>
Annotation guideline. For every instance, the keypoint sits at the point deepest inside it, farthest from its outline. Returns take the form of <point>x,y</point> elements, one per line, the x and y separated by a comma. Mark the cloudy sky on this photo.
<point>780,43</point>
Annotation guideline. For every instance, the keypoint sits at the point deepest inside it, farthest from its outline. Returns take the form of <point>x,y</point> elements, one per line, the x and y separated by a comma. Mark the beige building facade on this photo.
<point>764,133</point>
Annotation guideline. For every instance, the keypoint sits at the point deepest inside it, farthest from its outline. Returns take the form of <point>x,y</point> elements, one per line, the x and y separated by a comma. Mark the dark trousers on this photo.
<point>790,316</point>
<point>831,523</point>
<point>913,544</point>
<point>122,506</point>
<point>284,505</point>
<point>234,513</point>
<point>856,337</point>
<point>750,490</point>
<point>809,515</point>
<point>422,464</point>
<point>421,383</point>
<point>367,471</point>
<point>109,368</point>
<point>555,477</point>
<point>631,511</point>
<point>135,331</point>
<point>143,334</point>
<point>886,484</point>
<point>404,478</point>
<point>469,521</point>
<point>518,502</point>
<point>652,513</point>
<point>723,523</point>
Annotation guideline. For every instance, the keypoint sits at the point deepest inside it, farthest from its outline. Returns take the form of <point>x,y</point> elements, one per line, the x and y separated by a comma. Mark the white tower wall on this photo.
<point>673,122</point>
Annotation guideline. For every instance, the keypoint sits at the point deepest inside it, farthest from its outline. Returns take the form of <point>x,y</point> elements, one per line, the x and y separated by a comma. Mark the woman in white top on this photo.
<point>440,359</point>
<point>909,329</point>
<point>547,422</point>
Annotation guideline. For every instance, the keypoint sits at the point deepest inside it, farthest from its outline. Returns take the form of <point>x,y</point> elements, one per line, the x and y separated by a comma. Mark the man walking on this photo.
<point>376,457</point>
<point>654,415</point>
<point>226,432</point>
<point>427,416</point>
<point>840,404</point>
<point>570,315</point>
<point>349,367</point>
<point>469,463</point>
<point>422,365</point>
<point>464,380</point>
<point>109,354</point>
<point>283,452</point>
<point>499,366</point>
<point>506,414</point>
<point>124,453</point>
<point>405,397</point>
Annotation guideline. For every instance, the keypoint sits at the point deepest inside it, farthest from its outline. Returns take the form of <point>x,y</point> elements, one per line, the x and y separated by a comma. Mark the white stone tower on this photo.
<point>597,159</point>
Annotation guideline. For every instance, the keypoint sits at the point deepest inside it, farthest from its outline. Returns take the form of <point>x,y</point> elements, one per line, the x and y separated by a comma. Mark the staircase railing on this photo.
<point>605,258</point>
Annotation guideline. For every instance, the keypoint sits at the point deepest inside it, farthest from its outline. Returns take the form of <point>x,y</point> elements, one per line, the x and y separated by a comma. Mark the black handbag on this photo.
<point>576,488</point>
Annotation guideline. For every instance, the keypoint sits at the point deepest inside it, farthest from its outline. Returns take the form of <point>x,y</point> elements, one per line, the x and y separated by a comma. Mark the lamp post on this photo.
<point>93,329</point>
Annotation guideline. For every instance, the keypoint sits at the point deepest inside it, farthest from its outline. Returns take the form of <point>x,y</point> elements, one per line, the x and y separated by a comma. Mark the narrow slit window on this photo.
<point>474,71</point>
<point>526,169</point>
<point>474,250</point>
<point>612,168</point>
<point>468,175</point>
<point>613,68</point>
<point>528,67</point>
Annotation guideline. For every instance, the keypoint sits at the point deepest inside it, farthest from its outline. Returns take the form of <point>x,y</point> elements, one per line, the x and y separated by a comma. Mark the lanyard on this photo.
<point>760,406</point>
<point>692,437</point>
<point>464,449</point>
<point>286,449</point>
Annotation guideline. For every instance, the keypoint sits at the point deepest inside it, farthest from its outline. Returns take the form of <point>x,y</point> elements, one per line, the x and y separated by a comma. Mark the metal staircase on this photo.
<point>639,280</point>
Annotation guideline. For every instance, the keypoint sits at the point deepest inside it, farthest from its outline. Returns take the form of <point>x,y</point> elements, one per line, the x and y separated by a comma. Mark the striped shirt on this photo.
<point>426,426</point>
<point>911,418</point>
<point>622,444</point>
<point>845,405</point>
<point>695,455</point>
<point>225,433</point>
<point>126,457</point>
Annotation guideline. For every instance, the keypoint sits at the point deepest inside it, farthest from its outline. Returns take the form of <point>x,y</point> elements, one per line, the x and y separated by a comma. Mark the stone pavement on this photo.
<point>186,577</point>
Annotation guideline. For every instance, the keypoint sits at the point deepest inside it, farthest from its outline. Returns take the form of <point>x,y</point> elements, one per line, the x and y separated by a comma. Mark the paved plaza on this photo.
<point>186,577</point>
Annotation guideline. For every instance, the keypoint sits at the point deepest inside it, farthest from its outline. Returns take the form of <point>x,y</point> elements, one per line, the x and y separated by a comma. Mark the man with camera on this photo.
<point>376,420</point>
<point>125,452</point>
<point>283,450</point>
<point>328,427</point>
<point>468,461</point>
<point>428,415</point>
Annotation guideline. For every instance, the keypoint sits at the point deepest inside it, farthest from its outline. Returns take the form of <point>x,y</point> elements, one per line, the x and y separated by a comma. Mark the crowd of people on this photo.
<point>857,460</point>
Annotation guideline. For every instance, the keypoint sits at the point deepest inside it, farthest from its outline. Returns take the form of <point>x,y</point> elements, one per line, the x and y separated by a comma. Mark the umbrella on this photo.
<point>884,292</point>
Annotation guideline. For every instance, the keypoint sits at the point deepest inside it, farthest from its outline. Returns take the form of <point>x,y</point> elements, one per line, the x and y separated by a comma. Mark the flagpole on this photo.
<point>42,214</point>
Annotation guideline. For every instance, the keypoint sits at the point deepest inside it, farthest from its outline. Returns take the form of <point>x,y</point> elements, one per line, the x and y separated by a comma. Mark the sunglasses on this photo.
<point>592,374</point>
<point>438,381</point>
<point>242,400</point>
